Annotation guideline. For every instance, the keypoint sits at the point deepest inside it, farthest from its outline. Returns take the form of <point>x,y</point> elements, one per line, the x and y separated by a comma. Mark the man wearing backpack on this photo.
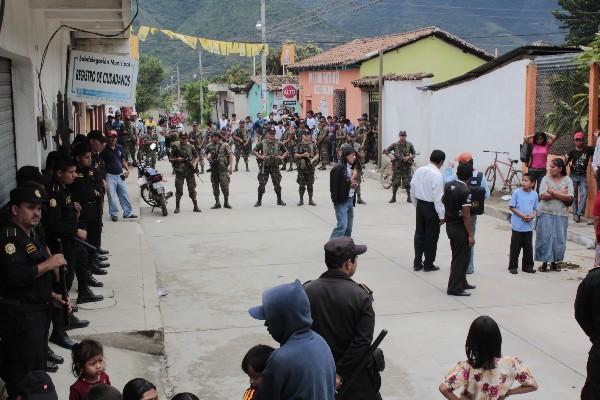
<point>480,191</point>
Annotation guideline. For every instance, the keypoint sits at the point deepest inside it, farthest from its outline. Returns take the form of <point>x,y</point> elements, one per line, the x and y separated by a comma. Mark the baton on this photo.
<point>64,293</point>
<point>86,244</point>
<point>363,363</point>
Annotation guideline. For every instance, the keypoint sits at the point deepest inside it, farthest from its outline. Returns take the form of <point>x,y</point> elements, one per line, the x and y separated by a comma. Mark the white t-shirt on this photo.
<point>234,124</point>
<point>223,123</point>
<point>311,123</point>
<point>278,132</point>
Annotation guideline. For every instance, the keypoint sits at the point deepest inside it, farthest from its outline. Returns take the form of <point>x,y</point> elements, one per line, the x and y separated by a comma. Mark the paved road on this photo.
<point>215,265</point>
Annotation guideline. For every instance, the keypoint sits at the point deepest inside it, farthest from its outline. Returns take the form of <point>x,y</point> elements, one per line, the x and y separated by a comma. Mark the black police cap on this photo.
<point>30,192</point>
<point>97,135</point>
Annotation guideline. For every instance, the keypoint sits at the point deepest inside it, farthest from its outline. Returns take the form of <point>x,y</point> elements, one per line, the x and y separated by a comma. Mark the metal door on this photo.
<point>8,159</point>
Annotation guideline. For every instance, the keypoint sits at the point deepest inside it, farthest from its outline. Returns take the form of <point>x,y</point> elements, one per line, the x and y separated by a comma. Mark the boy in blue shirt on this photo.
<point>524,205</point>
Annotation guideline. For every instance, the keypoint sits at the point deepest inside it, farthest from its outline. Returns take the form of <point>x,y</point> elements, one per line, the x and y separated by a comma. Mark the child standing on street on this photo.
<point>253,365</point>
<point>88,367</point>
<point>523,204</point>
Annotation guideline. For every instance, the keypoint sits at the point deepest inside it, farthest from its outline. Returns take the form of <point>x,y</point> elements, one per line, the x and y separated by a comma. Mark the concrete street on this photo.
<point>216,264</point>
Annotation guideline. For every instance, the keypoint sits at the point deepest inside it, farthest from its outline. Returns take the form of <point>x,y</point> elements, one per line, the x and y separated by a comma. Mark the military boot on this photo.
<point>301,202</point>
<point>202,168</point>
<point>196,209</point>
<point>177,201</point>
<point>217,203</point>
<point>408,199</point>
<point>279,201</point>
<point>394,191</point>
<point>259,201</point>
<point>310,199</point>
<point>283,168</point>
<point>226,203</point>
<point>247,169</point>
<point>236,165</point>
<point>291,168</point>
<point>360,200</point>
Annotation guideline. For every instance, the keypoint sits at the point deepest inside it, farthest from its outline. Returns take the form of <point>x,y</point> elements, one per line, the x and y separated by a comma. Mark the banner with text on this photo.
<point>99,78</point>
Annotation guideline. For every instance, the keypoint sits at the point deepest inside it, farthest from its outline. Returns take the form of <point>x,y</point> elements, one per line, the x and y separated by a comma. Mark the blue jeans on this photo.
<point>471,267</point>
<point>344,213</point>
<point>580,190</point>
<point>161,150</point>
<point>117,190</point>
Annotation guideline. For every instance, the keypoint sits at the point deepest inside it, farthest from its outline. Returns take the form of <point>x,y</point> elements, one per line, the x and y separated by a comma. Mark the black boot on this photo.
<point>310,199</point>
<point>51,367</point>
<point>394,191</point>
<point>247,169</point>
<point>55,358</point>
<point>236,165</point>
<point>201,168</point>
<point>92,282</point>
<point>100,257</point>
<point>408,199</point>
<point>85,295</point>
<point>283,167</point>
<point>177,201</point>
<point>259,201</point>
<point>360,200</point>
<point>301,202</point>
<point>196,209</point>
<point>217,203</point>
<point>62,340</point>
<point>97,271</point>
<point>102,252</point>
<point>100,264</point>
<point>279,201</point>
<point>226,202</point>
<point>76,323</point>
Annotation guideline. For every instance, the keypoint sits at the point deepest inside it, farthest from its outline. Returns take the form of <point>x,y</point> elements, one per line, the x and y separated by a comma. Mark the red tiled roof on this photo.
<point>274,82</point>
<point>363,49</point>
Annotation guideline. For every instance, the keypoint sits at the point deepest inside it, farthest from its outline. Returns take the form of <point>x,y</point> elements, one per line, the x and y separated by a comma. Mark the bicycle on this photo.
<point>388,171</point>
<point>513,176</point>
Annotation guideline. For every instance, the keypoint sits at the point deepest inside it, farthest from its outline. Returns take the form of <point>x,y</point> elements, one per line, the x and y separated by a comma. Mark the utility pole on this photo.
<point>201,86</point>
<point>263,67</point>
<point>178,89</point>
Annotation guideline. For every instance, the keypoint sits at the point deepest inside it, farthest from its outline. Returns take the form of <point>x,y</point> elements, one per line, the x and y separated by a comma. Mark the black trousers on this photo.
<point>591,389</point>
<point>461,255</point>
<point>24,345</point>
<point>427,233</point>
<point>364,388</point>
<point>518,241</point>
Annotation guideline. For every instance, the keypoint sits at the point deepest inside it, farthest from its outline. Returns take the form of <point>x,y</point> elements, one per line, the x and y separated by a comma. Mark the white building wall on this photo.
<point>23,38</point>
<point>407,108</point>
<point>487,113</point>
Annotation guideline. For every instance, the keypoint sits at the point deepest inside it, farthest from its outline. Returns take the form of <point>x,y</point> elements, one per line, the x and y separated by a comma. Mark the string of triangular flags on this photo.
<point>212,46</point>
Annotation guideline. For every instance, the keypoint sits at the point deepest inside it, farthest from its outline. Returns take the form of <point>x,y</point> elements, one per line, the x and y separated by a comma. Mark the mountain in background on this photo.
<point>493,25</point>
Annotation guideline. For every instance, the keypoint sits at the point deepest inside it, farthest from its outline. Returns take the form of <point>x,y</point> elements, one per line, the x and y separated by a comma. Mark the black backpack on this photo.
<point>477,194</point>
<point>525,153</point>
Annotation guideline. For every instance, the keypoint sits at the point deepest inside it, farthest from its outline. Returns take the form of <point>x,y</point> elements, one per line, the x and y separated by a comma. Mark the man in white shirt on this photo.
<point>427,189</point>
<point>311,121</point>
<point>234,123</point>
<point>223,122</point>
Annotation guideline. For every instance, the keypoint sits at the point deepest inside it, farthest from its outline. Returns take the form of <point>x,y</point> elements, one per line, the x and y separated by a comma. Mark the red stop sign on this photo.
<point>290,92</point>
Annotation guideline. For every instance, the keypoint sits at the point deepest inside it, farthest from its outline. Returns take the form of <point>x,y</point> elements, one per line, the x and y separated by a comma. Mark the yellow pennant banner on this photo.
<point>212,46</point>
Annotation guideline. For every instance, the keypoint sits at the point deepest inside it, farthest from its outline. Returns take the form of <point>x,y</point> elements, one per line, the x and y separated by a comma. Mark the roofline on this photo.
<point>435,31</point>
<point>514,55</point>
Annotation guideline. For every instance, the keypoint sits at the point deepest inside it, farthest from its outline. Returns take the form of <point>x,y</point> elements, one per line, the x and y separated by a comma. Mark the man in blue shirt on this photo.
<point>450,176</point>
<point>257,128</point>
<point>116,173</point>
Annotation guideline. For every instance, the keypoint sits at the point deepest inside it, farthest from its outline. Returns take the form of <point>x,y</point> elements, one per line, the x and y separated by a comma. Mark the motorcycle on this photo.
<point>152,189</point>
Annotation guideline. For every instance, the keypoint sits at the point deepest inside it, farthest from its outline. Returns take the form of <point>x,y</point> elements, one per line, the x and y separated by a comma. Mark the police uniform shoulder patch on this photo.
<point>10,249</point>
<point>366,288</point>
<point>52,202</point>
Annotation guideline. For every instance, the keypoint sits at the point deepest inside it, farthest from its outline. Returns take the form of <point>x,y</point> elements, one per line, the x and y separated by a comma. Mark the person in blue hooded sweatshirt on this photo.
<point>303,367</point>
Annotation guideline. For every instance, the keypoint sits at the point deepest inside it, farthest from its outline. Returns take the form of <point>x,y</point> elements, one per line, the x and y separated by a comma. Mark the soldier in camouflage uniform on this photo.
<point>361,132</point>
<point>402,153</point>
<point>306,157</point>
<point>323,142</point>
<point>290,141</point>
<point>269,153</point>
<point>149,154</point>
<point>220,158</point>
<point>358,164</point>
<point>184,158</point>
<point>241,138</point>
<point>127,139</point>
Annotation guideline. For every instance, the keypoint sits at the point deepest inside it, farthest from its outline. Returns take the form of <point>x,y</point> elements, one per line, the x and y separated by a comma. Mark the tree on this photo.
<point>191,96</point>
<point>151,74</point>
<point>581,18</point>
<point>310,49</point>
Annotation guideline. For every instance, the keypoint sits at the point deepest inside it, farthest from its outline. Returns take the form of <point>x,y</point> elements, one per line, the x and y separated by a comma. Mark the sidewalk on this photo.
<point>127,322</point>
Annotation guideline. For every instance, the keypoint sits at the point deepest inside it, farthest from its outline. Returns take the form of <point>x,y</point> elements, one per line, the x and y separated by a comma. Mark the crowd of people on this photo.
<point>52,228</point>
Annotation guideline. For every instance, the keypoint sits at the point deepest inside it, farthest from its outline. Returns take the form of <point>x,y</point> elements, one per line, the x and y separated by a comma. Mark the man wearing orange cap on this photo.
<point>480,191</point>
<point>577,160</point>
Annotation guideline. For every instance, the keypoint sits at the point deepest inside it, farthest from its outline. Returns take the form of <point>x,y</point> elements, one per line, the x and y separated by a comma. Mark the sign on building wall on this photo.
<point>287,54</point>
<point>99,78</point>
<point>290,95</point>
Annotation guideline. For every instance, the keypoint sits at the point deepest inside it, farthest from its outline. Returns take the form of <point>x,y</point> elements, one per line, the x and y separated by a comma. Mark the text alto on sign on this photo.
<point>290,94</point>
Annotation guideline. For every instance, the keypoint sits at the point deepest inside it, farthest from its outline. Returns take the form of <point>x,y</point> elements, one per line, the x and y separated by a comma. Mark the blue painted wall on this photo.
<point>254,103</point>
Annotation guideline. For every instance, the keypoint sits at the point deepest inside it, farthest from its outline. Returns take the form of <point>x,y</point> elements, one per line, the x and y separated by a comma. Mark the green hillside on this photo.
<point>492,25</point>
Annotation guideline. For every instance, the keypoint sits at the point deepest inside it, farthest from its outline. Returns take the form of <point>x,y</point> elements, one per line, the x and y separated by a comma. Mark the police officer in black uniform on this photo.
<point>27,277</point>
<point>61,227</point>
<point>342,312</point>
<point>457,202</point>
<point>97,142</point>
<point>587,314</point>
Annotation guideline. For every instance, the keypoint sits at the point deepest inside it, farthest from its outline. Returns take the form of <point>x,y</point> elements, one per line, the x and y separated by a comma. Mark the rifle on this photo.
<point>62,279</point>
<point>362,364</point>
